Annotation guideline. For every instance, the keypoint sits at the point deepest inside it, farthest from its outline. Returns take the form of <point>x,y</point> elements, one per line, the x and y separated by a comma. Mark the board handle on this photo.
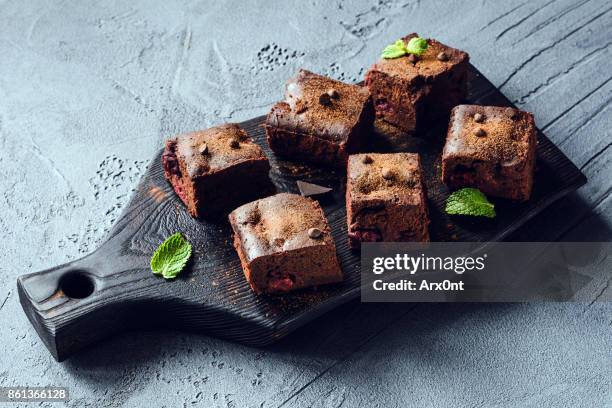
<point>82,302</point>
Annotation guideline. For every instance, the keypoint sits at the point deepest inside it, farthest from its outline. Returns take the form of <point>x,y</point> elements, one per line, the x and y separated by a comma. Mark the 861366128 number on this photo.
<point>33,394</point>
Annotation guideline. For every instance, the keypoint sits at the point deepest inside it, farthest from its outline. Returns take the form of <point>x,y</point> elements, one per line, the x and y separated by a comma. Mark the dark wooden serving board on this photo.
<point>112,289</point>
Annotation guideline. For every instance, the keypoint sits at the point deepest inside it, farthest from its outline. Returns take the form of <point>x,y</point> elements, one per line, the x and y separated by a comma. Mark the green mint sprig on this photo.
<point>416,46</point>
<point>469,201</point>
<point>395,50</point>
<point>171,256</point>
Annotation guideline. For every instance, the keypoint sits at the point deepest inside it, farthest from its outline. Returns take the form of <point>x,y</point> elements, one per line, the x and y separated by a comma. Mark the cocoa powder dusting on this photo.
<point>396,173</point>
<point>506,137</point>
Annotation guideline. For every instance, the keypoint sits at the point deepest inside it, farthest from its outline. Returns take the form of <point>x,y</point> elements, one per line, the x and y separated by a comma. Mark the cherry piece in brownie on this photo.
<point>284,243</point>
<point>409,91</point>
<point>321,120</point>
<point>492,149</point>
<point>385,199</point>
<point>215,170</point>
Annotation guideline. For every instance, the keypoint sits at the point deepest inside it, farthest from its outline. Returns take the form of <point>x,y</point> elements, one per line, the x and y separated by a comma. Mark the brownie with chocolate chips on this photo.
<point>490,148</point>
<point>284,243</point>
<point>203,168</point>
<point>385,199</point>
<point>411,91</point>
<point>321,120</point>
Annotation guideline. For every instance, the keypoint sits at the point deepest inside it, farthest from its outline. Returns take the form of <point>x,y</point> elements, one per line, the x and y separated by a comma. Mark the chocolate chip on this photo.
<point>315,233</point>
<point>300,106</point>
<point>325,99</point>
<point>411,182</point>
<point>234,144</point>
<point>413,58</point>
<point>333,94</point>
<point>253,217</point>
<point>203,149</point>
<point>480,132</point>
<point>367,159</point>
<point>478,118</point>
<point>442,56</point>
<point>387,173</point>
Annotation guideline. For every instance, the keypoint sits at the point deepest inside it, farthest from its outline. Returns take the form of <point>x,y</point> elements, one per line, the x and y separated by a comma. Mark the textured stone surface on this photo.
<point>90,90</point>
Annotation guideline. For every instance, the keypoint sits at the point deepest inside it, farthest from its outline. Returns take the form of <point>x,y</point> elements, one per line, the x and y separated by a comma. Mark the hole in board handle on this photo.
<point>76,284</point>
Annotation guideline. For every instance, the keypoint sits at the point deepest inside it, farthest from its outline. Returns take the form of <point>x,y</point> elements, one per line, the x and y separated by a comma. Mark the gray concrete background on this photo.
<point>88,92</point>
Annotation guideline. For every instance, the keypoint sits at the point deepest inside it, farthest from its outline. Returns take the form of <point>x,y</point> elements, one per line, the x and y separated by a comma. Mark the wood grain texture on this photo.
<point>212,296</point>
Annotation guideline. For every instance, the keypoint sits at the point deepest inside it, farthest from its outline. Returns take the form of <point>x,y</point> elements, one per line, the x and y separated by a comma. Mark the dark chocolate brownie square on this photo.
<point>492,149</point>
<point>385,199</point>
<point>215,170</point>
<point>321,120</point>
<point>284,243</point>
<point>410,91</point>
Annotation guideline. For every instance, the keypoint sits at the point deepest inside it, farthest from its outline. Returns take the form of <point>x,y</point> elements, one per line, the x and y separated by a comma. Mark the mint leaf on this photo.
<point>395,50</point>
<point>171,256</point>
<point>417,46</point>
<point>469,201</point>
